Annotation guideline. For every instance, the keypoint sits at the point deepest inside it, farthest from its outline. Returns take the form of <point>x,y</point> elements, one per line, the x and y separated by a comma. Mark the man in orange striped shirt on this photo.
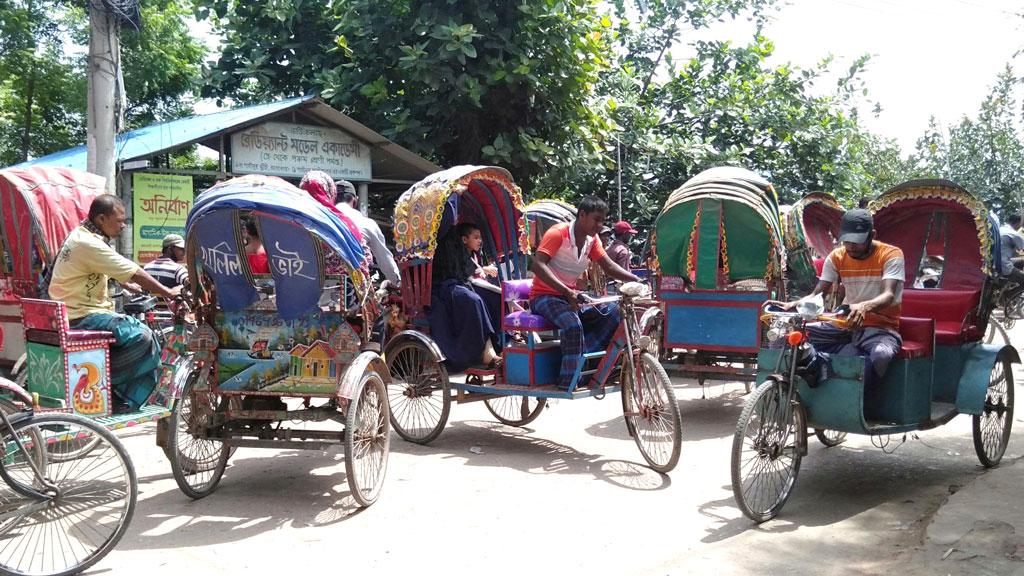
<point>872,273</point>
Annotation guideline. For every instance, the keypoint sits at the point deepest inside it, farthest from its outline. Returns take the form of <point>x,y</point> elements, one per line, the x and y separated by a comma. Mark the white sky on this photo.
<point>929,57</point>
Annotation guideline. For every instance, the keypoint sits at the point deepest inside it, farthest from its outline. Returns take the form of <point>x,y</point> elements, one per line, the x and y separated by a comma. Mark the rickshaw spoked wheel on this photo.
<point>515,410</point>
<point>367,439</point>
<point>995,328</point>
<point>651,412</point>
<point>766,451</point>
<point>830,438</point>
<point>419,396</point>
<point>197,463</point>
<point>991,428</point>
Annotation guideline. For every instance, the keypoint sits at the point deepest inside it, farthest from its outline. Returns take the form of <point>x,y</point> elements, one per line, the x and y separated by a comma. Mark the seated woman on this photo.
<point>254,251</point>
<point>460,321</point>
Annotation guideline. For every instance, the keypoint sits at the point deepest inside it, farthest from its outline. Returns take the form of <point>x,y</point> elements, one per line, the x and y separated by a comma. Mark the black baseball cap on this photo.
<point>856,226</point>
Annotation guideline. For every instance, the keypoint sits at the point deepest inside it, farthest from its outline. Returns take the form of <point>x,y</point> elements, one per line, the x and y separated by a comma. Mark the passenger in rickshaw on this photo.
<point>872,274</point>
<point>1011,245</point>
<point>564,253</point>
<point>255,253</point>
<point>348,203</point>
<point>79,279</point>
<point>461,321</point>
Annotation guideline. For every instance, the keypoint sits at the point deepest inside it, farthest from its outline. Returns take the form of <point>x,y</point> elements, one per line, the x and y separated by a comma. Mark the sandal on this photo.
<point>495,363</point>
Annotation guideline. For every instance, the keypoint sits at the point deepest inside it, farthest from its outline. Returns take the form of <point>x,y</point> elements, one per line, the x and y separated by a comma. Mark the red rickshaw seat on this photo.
<point>952,311</point>
<point>918,335</point>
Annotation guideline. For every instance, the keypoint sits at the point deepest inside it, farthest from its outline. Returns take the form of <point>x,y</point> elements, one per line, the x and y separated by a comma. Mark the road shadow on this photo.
<point>703,419</point>
<point>483,443</point>
<point>836,484</point>
<point>294,488</point>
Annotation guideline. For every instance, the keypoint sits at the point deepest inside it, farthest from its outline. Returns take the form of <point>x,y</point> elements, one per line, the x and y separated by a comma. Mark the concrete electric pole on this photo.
<point>104,99</point>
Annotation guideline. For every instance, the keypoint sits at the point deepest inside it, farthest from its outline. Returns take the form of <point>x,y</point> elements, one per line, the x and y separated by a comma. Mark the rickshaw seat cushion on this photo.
<point>523,320</point>
<point>918,335</point>
<point>949,309</point>
<point>516,289</point>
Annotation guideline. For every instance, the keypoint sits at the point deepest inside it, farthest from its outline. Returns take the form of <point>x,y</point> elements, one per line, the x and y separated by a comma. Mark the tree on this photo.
<point>983,154</point>
<point>42,74</point>
<point>456,80</point>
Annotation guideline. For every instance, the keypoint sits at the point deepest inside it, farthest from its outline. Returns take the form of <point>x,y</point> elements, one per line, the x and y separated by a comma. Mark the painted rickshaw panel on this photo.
<point>292,348</point>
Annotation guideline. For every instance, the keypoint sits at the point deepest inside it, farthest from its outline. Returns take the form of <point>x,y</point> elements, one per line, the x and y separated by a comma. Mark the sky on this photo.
<point>929,57</point>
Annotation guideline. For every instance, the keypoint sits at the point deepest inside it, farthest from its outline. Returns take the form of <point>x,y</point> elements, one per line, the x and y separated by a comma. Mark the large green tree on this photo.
<point>42,72</point>
<point>460,81</point>
<point>985,153</point>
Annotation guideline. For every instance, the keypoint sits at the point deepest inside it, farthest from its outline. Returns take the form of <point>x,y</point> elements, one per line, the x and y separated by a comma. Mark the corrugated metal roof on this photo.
<point>169,135</point>
<point>390,162</point>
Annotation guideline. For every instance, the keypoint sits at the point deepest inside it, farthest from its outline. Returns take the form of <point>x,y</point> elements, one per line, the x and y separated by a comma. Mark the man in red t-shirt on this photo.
<point>564,254</point>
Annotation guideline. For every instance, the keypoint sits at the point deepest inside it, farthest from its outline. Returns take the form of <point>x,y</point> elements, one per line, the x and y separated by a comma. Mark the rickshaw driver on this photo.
<point>565,252</point>
<point>872,273</point>
<point>80,274</point>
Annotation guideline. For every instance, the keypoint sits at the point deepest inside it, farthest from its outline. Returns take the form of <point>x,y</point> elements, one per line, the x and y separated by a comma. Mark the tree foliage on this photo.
<point>43,47</point>
<point>984,154</point>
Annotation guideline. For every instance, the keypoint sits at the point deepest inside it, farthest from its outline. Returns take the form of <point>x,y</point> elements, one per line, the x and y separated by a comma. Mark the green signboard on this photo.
<point>160,206</point>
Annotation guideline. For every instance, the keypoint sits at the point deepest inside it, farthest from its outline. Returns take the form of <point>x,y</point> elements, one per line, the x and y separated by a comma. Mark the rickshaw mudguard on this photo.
<point>348,387</point>
<point>649,319</point>
<point>20,394</point>
<point>836,403</point>
<point>979,359</point>
<point>417,336</point>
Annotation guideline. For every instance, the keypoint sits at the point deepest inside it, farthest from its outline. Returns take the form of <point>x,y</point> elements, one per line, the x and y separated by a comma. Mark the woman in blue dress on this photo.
<point>461,323</point>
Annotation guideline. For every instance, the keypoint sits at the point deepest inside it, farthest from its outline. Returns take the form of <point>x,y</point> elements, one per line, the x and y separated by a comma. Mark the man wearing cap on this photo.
<point>167,269</point>
<point>79,279</point>
<point>619,250</point>
<point>872,273</point>
<point>348,203</point>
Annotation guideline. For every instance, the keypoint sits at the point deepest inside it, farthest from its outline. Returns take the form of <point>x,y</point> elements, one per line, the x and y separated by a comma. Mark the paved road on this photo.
<point>566,495</point>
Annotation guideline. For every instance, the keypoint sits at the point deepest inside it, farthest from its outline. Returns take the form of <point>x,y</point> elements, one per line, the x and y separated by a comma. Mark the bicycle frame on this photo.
<point>18,487</point>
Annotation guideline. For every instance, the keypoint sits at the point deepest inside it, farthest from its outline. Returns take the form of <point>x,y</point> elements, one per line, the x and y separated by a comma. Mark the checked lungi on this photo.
<point>878,346</point>
<point>589,330</point>
<point>134,356</point>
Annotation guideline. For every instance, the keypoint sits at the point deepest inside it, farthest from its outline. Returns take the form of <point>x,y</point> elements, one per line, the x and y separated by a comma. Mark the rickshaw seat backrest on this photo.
<point>521,319</point>
<point>953,312</point>
<point>46,321</point>
<point>516,289</point>
<point>918,335</point>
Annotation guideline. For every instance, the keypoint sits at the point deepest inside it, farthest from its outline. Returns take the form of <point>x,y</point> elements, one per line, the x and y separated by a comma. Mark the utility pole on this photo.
<point>104,106</point>
<point>618,175</point>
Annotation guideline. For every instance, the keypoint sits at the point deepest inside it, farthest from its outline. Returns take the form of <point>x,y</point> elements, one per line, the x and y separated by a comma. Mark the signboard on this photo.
<point>291,150</point>
<point>160,205</point>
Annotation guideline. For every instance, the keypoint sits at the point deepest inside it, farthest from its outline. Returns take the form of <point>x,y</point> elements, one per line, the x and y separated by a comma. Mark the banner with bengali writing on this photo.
<point>160,204</point>
<point>291,150</point>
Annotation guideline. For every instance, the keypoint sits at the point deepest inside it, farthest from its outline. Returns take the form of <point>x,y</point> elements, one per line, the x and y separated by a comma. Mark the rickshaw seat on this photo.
<point>518,291</point>
<point>918,335</point>
<point>952,311</point>
<point>46,321</point>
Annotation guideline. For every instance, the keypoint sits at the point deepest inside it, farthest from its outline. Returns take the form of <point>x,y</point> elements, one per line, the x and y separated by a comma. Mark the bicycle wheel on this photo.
<point>995,333</point>
<point>766,452</point>
<point>197,463</point>
<point>418,394</point>
<point>652,413</point>
<point>515,410</point>
<point>83,516</point>
<point>830,438</point>
<point>367,439</point>
<point>991,428</point>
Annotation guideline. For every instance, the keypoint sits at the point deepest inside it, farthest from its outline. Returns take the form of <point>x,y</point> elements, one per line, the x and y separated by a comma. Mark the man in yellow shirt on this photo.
<point>79,279</point>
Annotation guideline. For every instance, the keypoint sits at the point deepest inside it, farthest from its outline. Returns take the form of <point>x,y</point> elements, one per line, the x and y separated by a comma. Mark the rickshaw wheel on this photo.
<point>766,452</point>
<point>994,329</point>
<point>830,438</point>
<point>197,463</point>
<point>367,439</point>
<point>515,410</point>
<point>652,413</point>
<point>992,427</point>
<point>419,396</point>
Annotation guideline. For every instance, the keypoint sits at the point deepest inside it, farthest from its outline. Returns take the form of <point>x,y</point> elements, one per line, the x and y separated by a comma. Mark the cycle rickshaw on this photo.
<point>253,349</point>
<point>543,214</point>
<point>943,369</point>
<point>718,255</point>
<point>422,390</point>
<point>810,230</point>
